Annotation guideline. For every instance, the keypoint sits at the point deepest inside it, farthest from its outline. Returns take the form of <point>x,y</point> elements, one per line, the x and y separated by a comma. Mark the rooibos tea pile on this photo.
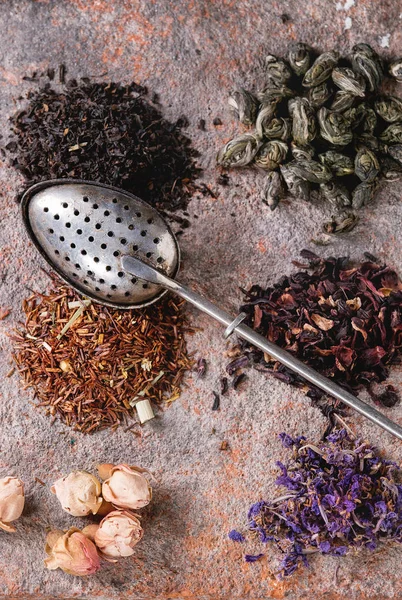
<point>339,496</point>
<point>89,365</point>
<point>343,320</point>
<point>320,123</point>
<point>104,132</point>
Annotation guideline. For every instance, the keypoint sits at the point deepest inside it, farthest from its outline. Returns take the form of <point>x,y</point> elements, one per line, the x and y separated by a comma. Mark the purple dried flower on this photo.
<point>324,547</point>
<point>339,495</point>
<point>250,558</point>
<point>236,536</point>
<point>286,440</point>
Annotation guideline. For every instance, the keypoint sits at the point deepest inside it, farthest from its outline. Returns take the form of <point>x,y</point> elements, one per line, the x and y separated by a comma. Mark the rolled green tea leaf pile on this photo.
<point>320,122</point>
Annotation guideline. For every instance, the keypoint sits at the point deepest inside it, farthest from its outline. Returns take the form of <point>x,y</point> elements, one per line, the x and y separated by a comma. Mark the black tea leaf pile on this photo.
<point>104,132</point>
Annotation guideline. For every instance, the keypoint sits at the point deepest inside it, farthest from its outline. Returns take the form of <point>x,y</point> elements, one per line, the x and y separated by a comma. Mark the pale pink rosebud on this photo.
<point>117,534</point>
<point>127,487</point>
<point>72,552</point>
<point>78,493</point>
<point>12,501</point>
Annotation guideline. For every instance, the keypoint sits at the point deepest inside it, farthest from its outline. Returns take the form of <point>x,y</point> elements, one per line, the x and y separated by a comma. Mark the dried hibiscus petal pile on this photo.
<point>345,321</point>
<point>339,495</point>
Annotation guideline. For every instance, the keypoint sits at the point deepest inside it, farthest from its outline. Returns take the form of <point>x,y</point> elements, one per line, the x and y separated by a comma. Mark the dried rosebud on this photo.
<point>78,493</point>
<point>72,552</point>
<point>127,487</point>
<point>12,501</point>
<point>117,534</point>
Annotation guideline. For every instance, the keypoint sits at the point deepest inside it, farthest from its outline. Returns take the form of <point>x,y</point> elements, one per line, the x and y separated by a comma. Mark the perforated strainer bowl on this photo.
<point>83,228</point>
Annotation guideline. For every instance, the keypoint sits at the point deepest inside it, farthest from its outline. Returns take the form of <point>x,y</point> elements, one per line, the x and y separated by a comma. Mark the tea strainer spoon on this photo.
<point>117,250</point>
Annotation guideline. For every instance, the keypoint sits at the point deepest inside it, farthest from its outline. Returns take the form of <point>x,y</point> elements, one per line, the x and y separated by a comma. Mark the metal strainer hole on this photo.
<point>113,287</point>
<point>150,221</point>
<point>90,273</point>
<point>123,241</point>
<point>65,205</point>
<point>51,231</point>
<point>135,247</point>
<point>85,199</point>
<point>86,281</point>
<point>46,209</point>
<point>148,254</point>
<point>120,274</point>
<point>74,274</point>
<point>95,206</point>
<point>77,266</point>
<point>156,241</point>
<point>108,295</point>
<point>56,217</point>
<point>138,214</point>
<point>79,231</point>
<point>134,280</point>
<point>114,200</point>
<point>62,238</point>
<point>126,294</point>
<point>76,212</point>
<point>67,258</point>
<point>106,213</point>
<point>83,252</point>
<point>72,245</point>
<point>101,280</point>
<point>143,233</point>
<point>57,252</point>
<point>118,220</point>
<point>131,227</point>
<point>159,259</point>
<point>96,259</point>
<point>91,238</point>
<point>126,207</point>
<point>98,226</point>
<point>87,219</point>
<point>108,268</point>
<point>116,253</point>
<point>68,225</point>
<point>103,246</point>
<point>110,233</point>
<point>145,286</point>
<point>97,289</point>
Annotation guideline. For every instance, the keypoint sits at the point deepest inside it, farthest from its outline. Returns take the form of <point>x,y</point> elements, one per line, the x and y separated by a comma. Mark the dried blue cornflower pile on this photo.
<point>340,496</point>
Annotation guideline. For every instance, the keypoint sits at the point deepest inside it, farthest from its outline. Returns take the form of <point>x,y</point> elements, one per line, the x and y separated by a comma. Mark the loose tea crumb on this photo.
<point>343,320</point>
<point>201,367</point>
<point>91,376</point>
<point>339,496</point>
<point>217,401</point>
<point>104,132</point>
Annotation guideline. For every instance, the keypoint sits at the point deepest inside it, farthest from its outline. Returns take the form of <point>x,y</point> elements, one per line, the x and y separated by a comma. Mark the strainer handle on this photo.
<point>148,273</point>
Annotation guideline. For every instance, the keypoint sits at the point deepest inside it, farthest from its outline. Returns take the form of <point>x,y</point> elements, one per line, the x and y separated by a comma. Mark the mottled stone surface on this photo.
<point>191,53</point>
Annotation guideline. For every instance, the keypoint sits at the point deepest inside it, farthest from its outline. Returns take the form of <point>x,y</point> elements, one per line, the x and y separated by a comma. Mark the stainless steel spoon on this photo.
<point>116,249</point>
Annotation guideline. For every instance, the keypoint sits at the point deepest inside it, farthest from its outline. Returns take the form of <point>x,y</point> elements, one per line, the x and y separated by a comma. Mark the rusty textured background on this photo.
<point>190,52</point>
